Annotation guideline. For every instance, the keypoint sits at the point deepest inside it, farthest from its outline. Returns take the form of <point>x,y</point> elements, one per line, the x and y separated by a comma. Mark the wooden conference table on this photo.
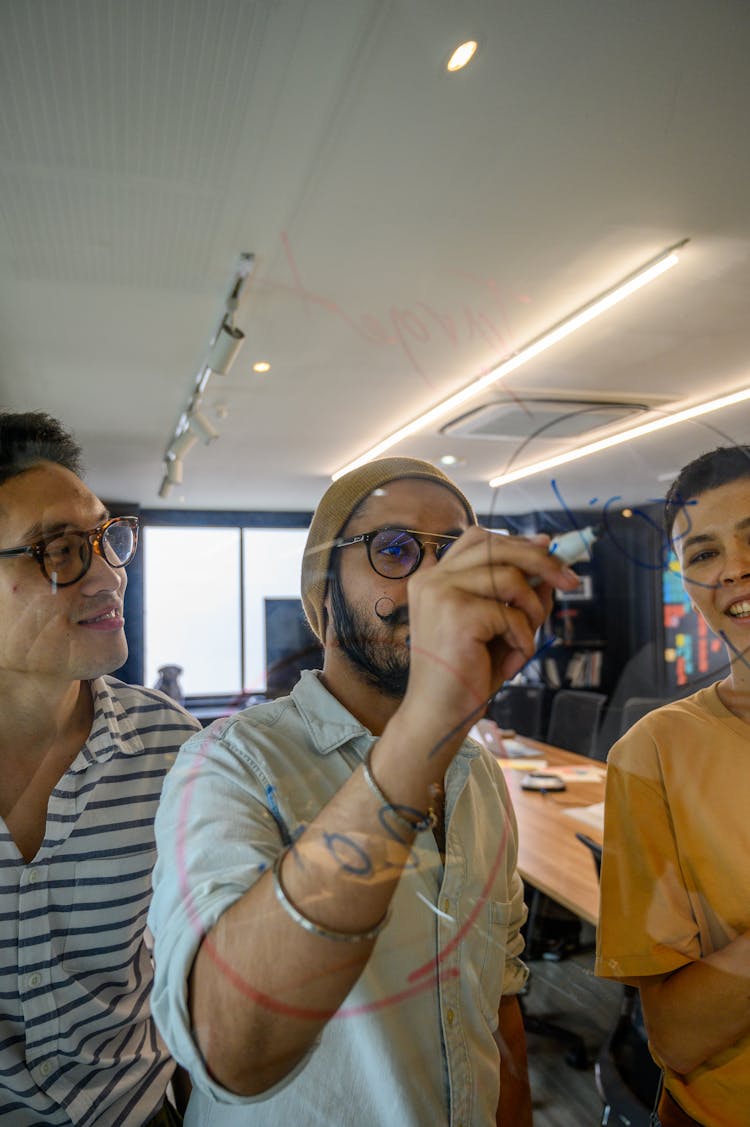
<point>549,855</point>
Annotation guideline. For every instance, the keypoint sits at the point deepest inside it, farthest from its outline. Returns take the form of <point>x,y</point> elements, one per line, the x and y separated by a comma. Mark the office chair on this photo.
<point>596,850</point>
<point>574,720</point>
<point>521,708</point>
<point>576,1055</point>
<point>637,707</point>
<point>627,1078</point>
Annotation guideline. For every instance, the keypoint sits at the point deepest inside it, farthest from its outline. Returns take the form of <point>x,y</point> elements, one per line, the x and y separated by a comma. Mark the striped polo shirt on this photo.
<point>77,1042</point>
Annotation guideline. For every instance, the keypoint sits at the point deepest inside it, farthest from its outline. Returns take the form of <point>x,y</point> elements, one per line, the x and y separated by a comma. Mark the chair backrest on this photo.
<point>574,720</point>
<point>596,850</point>
<point>636,707</point>
<point>626,1075</point>
<point>520,707</point>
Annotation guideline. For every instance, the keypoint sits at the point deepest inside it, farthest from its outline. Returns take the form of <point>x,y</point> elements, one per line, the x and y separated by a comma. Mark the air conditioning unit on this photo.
<point>543,418</point>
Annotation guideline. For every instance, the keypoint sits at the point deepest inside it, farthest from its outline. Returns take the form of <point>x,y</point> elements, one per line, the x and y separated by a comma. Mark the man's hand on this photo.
<point>473,619</point>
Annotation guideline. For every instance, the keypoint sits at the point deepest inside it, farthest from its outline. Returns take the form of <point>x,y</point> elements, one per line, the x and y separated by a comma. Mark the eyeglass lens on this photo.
<point>393,553</point>
<point>68,556</point>
<point>117,543</point>
<point>396,554</point>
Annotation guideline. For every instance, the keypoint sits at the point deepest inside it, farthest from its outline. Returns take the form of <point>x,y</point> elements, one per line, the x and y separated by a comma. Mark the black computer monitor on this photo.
<point>291,645</point>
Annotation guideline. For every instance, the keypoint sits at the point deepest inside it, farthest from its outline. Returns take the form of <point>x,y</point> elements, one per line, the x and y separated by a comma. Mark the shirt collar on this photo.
<point>111,729</point>
<point>328,723</point>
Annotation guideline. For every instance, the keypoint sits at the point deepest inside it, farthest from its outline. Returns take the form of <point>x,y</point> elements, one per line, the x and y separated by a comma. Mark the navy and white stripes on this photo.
<point>77,1043</point>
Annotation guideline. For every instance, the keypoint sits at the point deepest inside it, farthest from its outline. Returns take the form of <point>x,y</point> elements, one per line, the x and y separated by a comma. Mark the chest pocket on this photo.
<point>101,913</point>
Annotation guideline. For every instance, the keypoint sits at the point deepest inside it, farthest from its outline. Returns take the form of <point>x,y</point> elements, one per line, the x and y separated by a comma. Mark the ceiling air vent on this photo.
<point>550,419</point>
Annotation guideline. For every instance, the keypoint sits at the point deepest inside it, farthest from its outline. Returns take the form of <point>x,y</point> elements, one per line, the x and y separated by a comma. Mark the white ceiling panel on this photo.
<point>411,228</point>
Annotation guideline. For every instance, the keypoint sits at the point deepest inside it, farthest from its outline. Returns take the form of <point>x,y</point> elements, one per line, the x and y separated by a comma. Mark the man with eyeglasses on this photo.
<point>336,908</point>
<point>83,758</point>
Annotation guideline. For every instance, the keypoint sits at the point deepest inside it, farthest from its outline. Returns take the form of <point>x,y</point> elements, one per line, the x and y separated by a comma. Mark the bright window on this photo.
<point>222,603</point>
<point>192,607</point>
<point>273,561</point>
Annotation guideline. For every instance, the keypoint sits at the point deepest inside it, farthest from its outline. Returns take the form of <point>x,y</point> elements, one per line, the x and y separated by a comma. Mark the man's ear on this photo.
<point>326,617</point>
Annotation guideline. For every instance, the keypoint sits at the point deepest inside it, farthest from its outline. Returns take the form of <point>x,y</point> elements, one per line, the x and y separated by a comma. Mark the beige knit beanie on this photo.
<point>337,505</point>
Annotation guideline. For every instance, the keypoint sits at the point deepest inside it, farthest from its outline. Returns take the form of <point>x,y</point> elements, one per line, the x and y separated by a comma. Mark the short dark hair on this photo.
<point>30,437</point>
<point>717,467</point>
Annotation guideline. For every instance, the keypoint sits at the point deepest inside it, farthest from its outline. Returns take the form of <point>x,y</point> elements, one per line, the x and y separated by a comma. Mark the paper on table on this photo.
<point>586,774</point>
<point>593,815</point>
<point>515,749</point>
<point>524,764</point>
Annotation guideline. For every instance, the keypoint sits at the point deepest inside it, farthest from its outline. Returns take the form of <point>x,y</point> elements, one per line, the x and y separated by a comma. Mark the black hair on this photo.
<point>713,469</point>
<point>30,437</point>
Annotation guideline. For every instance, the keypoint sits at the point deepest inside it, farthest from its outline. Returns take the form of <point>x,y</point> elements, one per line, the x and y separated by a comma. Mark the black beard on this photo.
<point>378,661</point>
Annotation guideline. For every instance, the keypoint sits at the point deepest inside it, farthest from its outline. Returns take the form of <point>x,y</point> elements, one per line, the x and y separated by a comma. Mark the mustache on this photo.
<point>390,614</point>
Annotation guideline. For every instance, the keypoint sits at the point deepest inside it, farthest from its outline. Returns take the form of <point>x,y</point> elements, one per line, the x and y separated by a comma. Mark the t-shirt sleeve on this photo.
<point>646,923</point>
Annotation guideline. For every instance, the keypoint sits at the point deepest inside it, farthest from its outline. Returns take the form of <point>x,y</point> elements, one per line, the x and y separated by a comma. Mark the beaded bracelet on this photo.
<point>307,924</point>
<point>422,821</point>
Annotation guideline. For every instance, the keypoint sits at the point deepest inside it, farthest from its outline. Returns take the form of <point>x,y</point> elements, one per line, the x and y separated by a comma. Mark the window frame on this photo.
<point>205,518</point>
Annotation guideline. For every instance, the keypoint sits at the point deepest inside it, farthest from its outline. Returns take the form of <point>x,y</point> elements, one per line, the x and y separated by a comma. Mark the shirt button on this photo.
<point>449,1016</point>
<point>35,979</point>
<point>34,876</point>
<point>45,1068</point>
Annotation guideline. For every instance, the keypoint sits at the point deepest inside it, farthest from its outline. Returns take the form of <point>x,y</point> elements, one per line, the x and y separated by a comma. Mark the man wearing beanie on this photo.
<point>336,902</point>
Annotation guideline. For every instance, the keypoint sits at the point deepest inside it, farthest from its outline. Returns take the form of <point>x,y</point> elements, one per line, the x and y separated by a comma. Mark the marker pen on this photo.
<point>571,547</point>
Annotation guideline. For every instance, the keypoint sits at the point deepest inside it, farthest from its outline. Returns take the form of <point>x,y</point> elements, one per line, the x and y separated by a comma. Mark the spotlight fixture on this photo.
<point>201,426</point>
<point>227,343</point>
<point>261,366</point>
<point>174,471</point>
<point>563,329</point>
<point>184,442</point>
<point>224,345</point>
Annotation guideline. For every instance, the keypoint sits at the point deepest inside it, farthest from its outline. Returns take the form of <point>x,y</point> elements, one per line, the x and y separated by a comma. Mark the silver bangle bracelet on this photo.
<point>313,928</point>
<point>420,822</point>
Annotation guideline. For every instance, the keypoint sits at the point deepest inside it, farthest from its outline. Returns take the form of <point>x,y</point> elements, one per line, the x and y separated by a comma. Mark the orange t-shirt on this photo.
<point>676,869</point>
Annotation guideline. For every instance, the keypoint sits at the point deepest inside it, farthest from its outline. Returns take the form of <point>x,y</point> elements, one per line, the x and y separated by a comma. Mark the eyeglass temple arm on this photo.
<point>27,550</point>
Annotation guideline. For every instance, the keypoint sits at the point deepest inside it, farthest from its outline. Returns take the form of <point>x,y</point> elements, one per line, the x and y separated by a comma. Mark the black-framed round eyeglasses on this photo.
<point>395,553</point>
<point>65,557</point>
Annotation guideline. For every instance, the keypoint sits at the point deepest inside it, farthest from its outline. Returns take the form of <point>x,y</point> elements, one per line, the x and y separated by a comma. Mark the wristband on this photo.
<point>317,929</point>
<point>420,822</point>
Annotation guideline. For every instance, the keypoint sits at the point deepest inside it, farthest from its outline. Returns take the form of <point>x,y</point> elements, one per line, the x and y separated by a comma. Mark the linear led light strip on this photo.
<point>682,416</point>
<point>642,277</point>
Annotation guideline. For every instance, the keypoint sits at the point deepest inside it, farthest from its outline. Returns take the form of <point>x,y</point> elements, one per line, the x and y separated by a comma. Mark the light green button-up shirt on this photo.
<point>413,1043</point>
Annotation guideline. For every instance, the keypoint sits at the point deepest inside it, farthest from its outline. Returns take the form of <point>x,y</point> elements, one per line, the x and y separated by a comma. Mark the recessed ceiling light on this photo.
<point>449,460</point>
<point>262,366</point>
<point>462,55</point>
